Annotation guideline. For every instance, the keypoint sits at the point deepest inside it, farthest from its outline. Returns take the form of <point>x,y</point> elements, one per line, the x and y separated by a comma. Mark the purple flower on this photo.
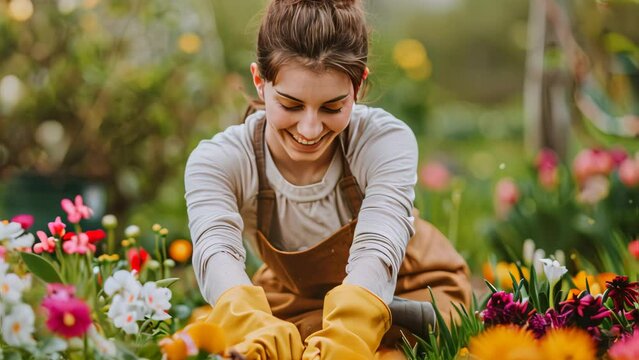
<point>622,291</point>
<point>585,312</point>
<point>539,323</point>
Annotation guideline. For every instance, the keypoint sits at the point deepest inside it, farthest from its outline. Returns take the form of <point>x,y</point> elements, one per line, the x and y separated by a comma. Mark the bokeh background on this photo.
<point>107,98</point>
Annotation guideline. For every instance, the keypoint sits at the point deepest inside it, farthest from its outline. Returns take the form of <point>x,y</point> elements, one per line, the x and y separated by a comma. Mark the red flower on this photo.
<point>137,258</point>
<point>586,312</point>
<point>94,235</point>
<point>633,248</point>
<point>622,291</point>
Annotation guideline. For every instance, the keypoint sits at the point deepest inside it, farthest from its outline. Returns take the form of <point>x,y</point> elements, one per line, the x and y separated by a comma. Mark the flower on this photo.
<point>506,195</point>
<point>629,172</point>
<point>18,326</point>
<point>137,258</point>
<point>125,315</point>
<point>626,349</point>
<point>25,220</point>
<point>76,211</point>
<point>580,282</point>
<point>590,162</point>
<point>95,235</point>
<point>553,270</point>
<point>587,311</point>
<point>504,342</point>
<point>57,227</point>
<point>121,281</point>
<point>104,346</point>
<point>3,251</point>
<point>546,163</point>
<point>67,317</point>
<point>594,189</point>
<point>157,300</point>
<point>46,243</point>
<point>132,231</point>
<point>109,221</point>
<point>180,250</point>
<point>568,344</point>
<point>622,291</point>
<point>435,176</point>
<point>12,286</point>
<point>14,235</point>
<point>60,291</point>
<point>78,244</point>
<point>633,248</point>
<point>501,309</point>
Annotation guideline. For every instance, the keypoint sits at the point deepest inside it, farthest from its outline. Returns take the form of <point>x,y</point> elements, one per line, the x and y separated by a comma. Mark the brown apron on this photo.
<point>295,282</point>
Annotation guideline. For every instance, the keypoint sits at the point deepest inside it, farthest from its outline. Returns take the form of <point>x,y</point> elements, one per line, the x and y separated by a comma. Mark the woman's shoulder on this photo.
<point>376,124</point>
<point>233,144</point>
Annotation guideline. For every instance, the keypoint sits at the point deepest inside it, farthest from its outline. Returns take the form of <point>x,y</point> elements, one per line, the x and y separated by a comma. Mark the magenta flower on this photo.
<point>60,291</point>
<point>67,317</point>
<point>76,211</point>
<point>548,175</point>
<point>46,243</point>
<point>506,196</point>
<point>501,309</point>
<point>57,227</point>
<point>585,312</point>
<point>78,244</point>
<point>25,220</point>
<point>622,291</point>
<point>539,323</point>
<point>2,251</point>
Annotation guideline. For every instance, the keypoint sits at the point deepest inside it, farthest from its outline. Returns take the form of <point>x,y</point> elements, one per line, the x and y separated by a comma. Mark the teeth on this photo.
<point>305,142</point>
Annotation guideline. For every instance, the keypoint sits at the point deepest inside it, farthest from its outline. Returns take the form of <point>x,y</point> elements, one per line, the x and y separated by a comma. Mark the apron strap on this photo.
<point>266,197</point>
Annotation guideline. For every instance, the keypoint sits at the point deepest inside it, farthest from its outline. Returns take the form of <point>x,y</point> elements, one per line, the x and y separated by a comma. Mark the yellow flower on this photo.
<point>190,43</point>
<point>505,343</point>
<point>580,283</point>
<point>501,274</point>
<point>411,56</point>
<point>568,343</point>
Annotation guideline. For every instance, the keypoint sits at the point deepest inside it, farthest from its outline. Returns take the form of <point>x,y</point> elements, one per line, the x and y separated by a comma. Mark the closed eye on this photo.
<point>300,107</point>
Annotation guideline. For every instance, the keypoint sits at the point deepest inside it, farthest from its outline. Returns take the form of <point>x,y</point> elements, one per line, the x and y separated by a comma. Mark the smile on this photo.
<point>302,141</point>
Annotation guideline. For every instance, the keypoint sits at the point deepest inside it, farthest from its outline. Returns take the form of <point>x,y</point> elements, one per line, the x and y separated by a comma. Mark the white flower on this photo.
<point>104,346</point>
<point>11,287</point>
<point>17,327</point>
<point>24,241</point>
<point>537,256</point>
<point>553,270</point>
<point>10,231</point>
<point>3,267</point>
<point>125,316</point>
<point>157,300</point>
<point>120,281</point>
<point>109,221</point>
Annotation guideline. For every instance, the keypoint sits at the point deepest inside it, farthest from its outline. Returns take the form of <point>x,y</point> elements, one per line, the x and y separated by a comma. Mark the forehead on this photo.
<point>295,79</point>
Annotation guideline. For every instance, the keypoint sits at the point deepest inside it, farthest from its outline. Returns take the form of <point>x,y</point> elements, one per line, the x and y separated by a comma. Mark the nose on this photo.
<point>310,126</point>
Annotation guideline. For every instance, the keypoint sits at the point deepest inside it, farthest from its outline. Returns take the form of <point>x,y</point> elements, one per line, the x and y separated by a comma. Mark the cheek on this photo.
<point>279,118</point>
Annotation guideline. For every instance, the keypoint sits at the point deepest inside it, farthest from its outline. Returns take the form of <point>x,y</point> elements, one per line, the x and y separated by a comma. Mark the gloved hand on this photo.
<point>250,328</point>
<point>354,322</point>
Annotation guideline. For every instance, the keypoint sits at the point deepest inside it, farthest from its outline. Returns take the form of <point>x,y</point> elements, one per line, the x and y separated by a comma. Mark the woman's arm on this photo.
<point>212,183</point>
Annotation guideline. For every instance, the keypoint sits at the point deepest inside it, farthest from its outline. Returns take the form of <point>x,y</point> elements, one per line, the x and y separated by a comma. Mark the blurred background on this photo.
<point>107,98</point>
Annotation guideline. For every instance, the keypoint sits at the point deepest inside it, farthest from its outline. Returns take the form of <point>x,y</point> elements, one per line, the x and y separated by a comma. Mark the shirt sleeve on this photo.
<point>383,157</point>
<point>212,188</point>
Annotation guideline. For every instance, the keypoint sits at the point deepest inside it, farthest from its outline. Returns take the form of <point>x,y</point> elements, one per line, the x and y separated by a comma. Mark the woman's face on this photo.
<point>305,112</point>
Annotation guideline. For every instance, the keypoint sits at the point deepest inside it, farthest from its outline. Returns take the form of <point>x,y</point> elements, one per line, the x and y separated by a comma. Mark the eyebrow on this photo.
<point>341,97</point>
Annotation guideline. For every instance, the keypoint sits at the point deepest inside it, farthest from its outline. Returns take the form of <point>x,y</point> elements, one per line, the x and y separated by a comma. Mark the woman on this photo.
<point>322,189</point>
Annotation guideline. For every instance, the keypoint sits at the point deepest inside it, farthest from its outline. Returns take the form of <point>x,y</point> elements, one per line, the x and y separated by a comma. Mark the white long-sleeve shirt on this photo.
<point>221,194</point>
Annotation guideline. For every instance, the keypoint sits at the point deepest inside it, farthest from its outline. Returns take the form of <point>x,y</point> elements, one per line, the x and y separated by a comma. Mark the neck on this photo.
<point>301,172</point>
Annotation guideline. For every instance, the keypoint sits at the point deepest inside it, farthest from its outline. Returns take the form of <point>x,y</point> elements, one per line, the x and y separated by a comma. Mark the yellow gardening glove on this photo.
<point>354,322</point>
<point>251,329</point>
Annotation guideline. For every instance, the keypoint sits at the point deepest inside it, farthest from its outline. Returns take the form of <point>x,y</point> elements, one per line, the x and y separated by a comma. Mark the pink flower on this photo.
<point>2,252</point>
<point>25,220</point>
<point>78,244</point>
<point>46,243</point>
<point>68,317</point>
<point>594,189</point>
<point>506,195</point>
<point>591,162</point>
<point>57,227</point>
<point>633,248</point>
<point>618,156</point>
<point>435,176</point>
<point>76,211</point>
<point>547,169</point>
<point>626,349</point>
<point>60,291</point>
<point>629,172</point>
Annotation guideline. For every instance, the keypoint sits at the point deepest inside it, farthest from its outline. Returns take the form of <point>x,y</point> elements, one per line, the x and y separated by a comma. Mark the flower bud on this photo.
<point>132,231</point>
<point>109,221</point>
<point>156,227</point>
<point>164,231</point>
<point>169,263</point>
<point>153,265</point>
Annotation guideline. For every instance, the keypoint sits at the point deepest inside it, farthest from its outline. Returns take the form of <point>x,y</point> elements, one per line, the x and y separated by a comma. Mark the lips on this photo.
<point>304,142</point>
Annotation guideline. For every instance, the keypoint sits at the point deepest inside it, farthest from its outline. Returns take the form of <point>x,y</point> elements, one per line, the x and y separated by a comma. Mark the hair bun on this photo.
<point>336,3</point>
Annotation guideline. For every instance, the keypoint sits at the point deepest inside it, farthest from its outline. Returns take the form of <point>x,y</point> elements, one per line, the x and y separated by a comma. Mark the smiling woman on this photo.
<point>322,189</point>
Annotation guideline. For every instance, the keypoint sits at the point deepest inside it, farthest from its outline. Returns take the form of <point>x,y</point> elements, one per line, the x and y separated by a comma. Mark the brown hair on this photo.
<point>318,34</point>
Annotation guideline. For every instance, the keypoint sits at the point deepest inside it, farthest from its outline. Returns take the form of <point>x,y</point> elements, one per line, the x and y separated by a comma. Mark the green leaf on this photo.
<point>166,282</point>
<point>41,268</point>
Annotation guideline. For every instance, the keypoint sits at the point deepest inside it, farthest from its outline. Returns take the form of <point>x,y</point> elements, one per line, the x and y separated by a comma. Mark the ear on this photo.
<point>258,81</point>
<point>364,76</point>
